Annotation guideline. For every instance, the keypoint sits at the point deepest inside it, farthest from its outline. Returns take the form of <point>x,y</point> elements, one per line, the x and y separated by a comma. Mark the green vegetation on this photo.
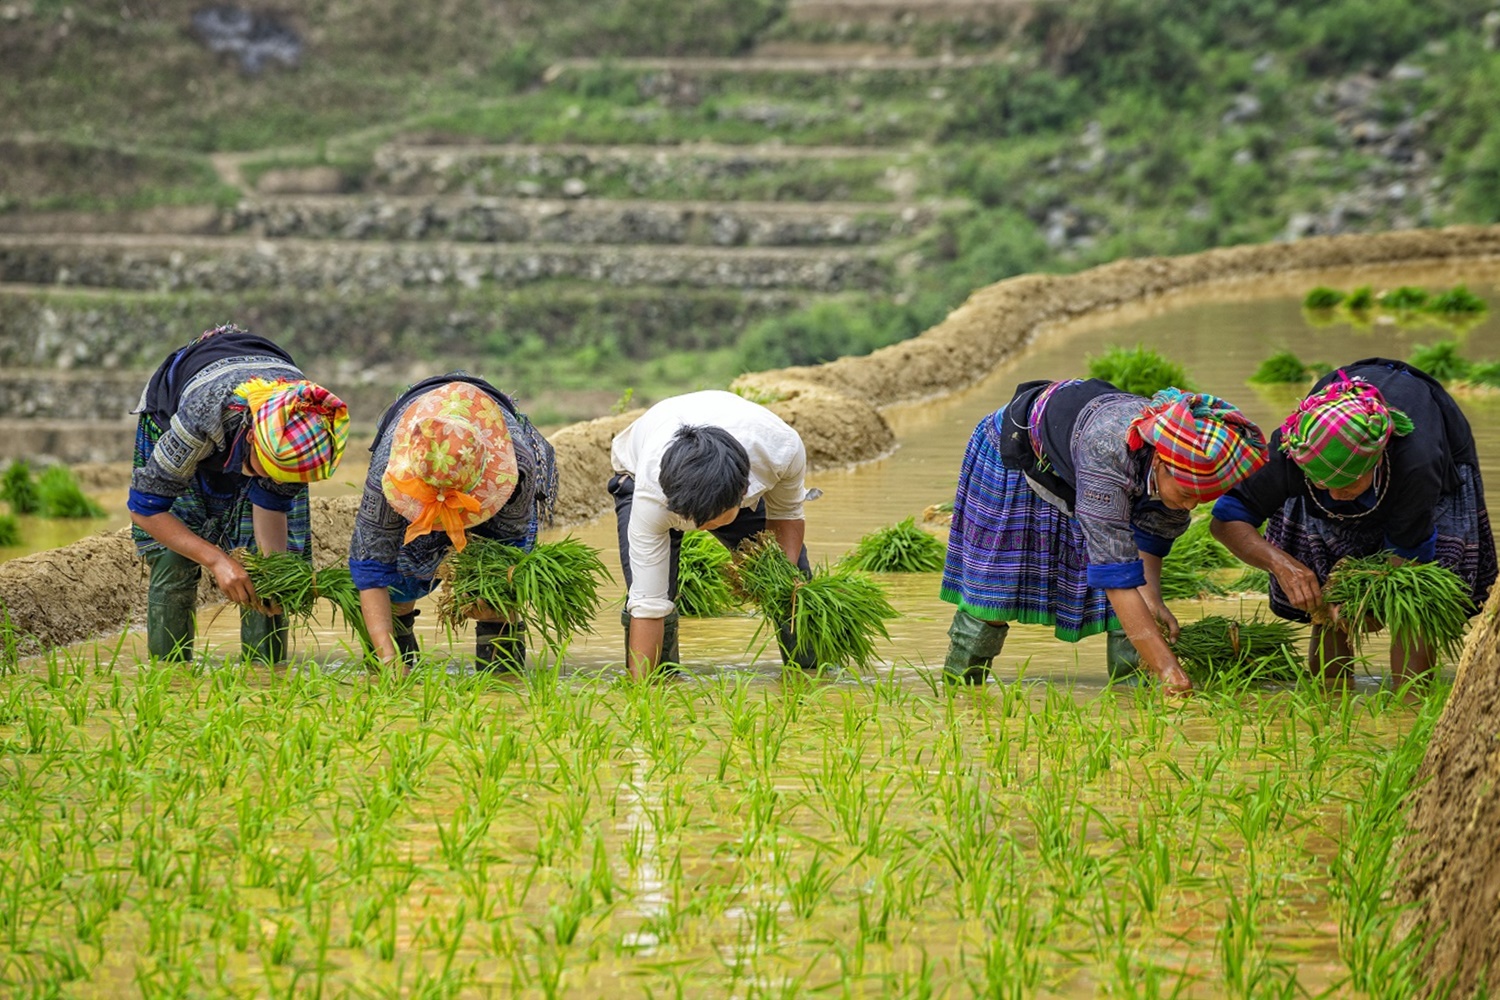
<point>834,617</point>
<point>1323,297</point>
<point>1486,373</point>
<point>703,589</point>
<point>1405,299</point>
<point>1416,602</point>
<point>1188,570</point>
<point>289,580</point>
<point>901,548</point>
<point>1455,307</point>
<point>553,589</point>
<point>18,489</point>
<point>1217,648</point>
<point>58,495</point>
<point>1138,370</point>
<point>1251,581</point>
<point>1441,361</point>
<point>1362,299</point>
<point>1457,300</point>
<point>1281,368</point>
<point>10,530</point>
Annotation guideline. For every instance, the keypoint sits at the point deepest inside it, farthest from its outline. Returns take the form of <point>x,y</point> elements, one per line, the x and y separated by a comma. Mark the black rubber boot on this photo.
<point>499,647</point>
<point>786,642</point>
<point>403,632</point>
<point>1120,657</point>
<point>263,637</point>
<point>973,645</point>
<point>671,658</point>
<point>171,607</point>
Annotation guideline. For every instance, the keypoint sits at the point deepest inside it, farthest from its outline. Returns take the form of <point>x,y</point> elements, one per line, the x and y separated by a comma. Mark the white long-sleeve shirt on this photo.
<point>778,468</point>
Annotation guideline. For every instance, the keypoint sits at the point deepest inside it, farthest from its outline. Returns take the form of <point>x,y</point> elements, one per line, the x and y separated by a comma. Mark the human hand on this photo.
<point>1299,583</point>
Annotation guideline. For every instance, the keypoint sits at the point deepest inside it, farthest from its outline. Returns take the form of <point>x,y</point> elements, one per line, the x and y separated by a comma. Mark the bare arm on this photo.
<point>789,535</point>
<point>1151,594</point>
<point>228,573</point>
<point>1298,582</point>
<point>1140,627</point>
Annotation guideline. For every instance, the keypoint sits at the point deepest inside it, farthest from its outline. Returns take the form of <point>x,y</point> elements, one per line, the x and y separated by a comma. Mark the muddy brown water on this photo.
<point>1219,334</point>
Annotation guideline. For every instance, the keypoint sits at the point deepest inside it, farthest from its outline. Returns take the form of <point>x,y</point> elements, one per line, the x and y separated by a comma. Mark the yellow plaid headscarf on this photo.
<point>300,428</point>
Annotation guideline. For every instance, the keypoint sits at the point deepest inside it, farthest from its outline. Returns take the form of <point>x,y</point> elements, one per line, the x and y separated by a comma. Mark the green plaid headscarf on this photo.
<point>1339,434</point>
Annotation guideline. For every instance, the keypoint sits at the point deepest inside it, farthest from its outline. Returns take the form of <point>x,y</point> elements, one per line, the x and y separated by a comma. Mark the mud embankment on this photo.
<point>836,406</point>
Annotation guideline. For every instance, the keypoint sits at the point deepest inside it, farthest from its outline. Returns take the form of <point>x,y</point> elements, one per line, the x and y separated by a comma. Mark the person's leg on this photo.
<point>263,638</point>
<point>1410,663</point>
<point>171,606</point>
<point>973,645</point>
<point>1330,654</point>
<point>747,524</point>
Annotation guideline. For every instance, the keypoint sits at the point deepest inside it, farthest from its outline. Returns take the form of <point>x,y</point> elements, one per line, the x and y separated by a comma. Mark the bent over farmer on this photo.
<point>452,455</point>
<point>1377,458</point>
<point>230,434</point>
<point>709,460</point>
<point>1068,498</point>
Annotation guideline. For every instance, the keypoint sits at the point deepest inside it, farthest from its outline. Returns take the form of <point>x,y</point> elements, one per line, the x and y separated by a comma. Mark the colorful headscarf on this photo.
<point>452,465</point>
<point>1206,443</point>
<point>300,428</point>
<point>1338,434</point>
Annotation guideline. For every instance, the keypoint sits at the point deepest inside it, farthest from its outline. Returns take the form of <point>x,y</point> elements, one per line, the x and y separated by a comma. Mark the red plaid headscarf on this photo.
<point>1206,443</point>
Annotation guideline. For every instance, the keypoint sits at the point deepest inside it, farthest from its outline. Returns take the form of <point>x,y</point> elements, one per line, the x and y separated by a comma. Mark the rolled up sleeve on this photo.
<point>650,559</point>
<point>784,500</point>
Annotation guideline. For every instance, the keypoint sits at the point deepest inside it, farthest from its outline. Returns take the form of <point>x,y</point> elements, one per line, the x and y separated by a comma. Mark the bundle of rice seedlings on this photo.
<point>1218,648</point>
<point>938,513</point>
<point>290,581</point>
<point>1362,299</point>
<point>702,587</point>
<point>1281,368</point>
<point>10,530</point>
<point>1138,370</point>
<point>1421,602</point>
<point>1406,298</point>
<point>553,589</point>
<point>1252,581</point>
<point>835,616</point>
<point>1441,361</point>
<point>1323,297</point>
<point>1187,569</point>
<point>901,548</point>
<point>1458,300</point>
<point>18,488</point>
<point>58,495</point>
<point>1486,373</point>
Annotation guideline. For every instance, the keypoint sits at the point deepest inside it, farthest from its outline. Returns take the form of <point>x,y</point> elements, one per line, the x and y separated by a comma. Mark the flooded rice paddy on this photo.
<point>225,830</point>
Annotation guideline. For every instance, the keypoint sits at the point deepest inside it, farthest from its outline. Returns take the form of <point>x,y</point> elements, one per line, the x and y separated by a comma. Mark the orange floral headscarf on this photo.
<point>452,465</point>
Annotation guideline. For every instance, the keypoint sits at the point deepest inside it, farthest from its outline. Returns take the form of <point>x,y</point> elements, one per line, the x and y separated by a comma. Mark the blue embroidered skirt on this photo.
<point>1012,556</point>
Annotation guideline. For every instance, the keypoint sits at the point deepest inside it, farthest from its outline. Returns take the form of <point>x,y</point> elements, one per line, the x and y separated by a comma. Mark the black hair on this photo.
<point>704,472</point>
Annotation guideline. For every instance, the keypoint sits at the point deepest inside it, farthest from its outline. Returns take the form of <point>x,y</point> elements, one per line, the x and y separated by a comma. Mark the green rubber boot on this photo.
<point>499,647</point>
<point>1120,657</point>
<point>171,607</point>
<point>671,659</point>
<point>973,645</point>
<point>404,635</point>
<point>263,637</point>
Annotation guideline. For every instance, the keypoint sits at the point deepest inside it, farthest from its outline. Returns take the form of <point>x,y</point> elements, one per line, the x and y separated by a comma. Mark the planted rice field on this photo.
<point>231,831</point>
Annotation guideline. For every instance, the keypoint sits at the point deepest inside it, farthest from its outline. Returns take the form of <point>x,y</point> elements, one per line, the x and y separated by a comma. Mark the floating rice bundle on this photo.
<point>901,548</point>
<point>1421,602</point>
<point>290,581</point>
<point>703,589</point>
<point>1218,648</point>
<point>1283,368</point>
<point>835,616</point>
<point>1138,370</point>
<point>553,589</point>
<point>938,513</point>
<point>1187,571</point>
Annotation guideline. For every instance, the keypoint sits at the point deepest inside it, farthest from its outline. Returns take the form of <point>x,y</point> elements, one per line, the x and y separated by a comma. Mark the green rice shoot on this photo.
<point>1187,571</point>
<point>59,496</point>
<point>1362,299</point>
<point>1138,370</point>
<point>1405,298</point>
<point>1253,580</point>
<point>289,580</point>
<point>703,589</point>
<point>1220,648</point>
<point>1416,602</point>
<point>901,548</point>
<point>1486,373</point>
<point>1441,361</point>
<point>553,589</point>
<point>18,489</point>
<point>1323,297</point>
<point>1458,300</point>
<point>1282,368</point>
<point>835,616</point>
<point>10,530</point>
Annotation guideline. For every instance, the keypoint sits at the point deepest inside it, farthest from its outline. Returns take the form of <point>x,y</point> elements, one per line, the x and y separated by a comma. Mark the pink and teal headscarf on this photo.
<point>1339,433</point>
<point>1206,444</point>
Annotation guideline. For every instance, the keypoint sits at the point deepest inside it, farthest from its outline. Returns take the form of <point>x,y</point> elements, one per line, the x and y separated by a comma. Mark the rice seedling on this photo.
<point>901,548</point>
<point>703,590</point>
<point>58,495</point>
<point>1323,297</point>
<point>1362,299</point>
<point>1252,581</point>
<point>18,489</point>
<point>1404,298</point>
<point>554,588</point>
<point>289,580</point>
<point>834,617</point>
<point>1138,370</point>
<point>1441,361</point>
<point>1282,368</point>
<point>10,530</point>
<point>1187,571</point>
<point>1457,299</point>
<point>1485,373</point>
<point>1220,648</point>
<point>1417,602</point>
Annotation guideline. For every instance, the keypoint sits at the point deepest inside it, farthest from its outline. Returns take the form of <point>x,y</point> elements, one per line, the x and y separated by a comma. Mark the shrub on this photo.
<point>1280,368</point>
<point>822,332</point>
<point>19,489</point>
<point>1323,297</point>
<point>1441,361</point>
<point>58,495</point>
<point>1138,370</point>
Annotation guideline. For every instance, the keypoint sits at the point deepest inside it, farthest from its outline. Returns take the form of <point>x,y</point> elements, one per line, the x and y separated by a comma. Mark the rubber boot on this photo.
<point>499,647</point>
<point>787,642</point>
<point>671,659</point>
<point>1120,657</point>
<point>403,633</point>
<point>263,637</point>
<point>171,607</point>
<point>973,645</point>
